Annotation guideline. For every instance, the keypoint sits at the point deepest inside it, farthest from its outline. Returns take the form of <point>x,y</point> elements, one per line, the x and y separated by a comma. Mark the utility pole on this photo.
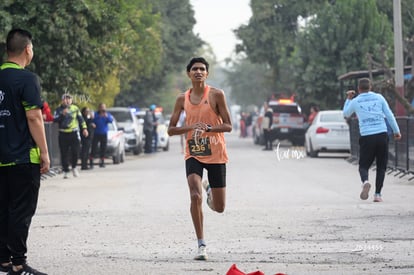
<point>398,57</point>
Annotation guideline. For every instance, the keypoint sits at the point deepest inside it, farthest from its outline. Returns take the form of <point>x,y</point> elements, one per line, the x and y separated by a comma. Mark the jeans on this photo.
<point>103,142</point>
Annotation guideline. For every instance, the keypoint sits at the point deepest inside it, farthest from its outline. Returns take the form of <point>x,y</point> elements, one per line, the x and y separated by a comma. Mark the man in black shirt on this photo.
<point>267,127</point>
<point>23,152</point>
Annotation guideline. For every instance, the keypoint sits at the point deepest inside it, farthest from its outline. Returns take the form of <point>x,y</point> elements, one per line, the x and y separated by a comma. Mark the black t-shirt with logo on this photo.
<point>19,92</point>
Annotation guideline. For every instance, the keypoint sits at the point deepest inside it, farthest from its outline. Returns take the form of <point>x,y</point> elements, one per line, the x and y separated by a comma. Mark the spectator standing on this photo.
<point>46,112</point>
<point>87,116</point>
<point>267,127</point>
<point>148,131</point>
<point>314,110</point>
<point>154,129</point>
<point>70,120</point>
<point>101,120</point>
<point>23,152</point>
<point>371,108</point>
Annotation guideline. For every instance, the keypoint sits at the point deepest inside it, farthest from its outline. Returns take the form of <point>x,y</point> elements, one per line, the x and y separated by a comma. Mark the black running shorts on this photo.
<point>216,172</point>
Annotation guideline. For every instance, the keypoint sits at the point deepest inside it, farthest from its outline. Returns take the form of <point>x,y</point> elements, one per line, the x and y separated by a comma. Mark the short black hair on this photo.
<point>17,41</point>
<point>197,60</point>
<point>364,84</point>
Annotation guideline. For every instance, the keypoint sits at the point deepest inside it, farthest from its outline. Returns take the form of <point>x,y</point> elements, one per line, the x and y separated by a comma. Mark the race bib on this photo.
<point>201,147</point>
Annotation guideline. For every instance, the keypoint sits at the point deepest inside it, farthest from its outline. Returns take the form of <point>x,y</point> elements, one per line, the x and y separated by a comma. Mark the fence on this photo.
<point>399,161</point>
<point>52,138</point>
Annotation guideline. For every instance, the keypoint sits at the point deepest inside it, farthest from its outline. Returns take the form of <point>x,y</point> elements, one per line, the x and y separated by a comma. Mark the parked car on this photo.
<point>288,122</point>
<point>128,122</point>
<point>115,147</point>
<point>116,143</point>
<point>162,128</point>
<point>162,131</point>
<point>329,132</point>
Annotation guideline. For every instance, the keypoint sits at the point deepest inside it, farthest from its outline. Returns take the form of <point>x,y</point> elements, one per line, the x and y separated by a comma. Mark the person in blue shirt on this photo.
<point>371,109</point>
<point>101,120</point>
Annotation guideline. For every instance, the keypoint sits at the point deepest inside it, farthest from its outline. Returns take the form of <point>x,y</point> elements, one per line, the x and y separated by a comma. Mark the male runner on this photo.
<point>207,118</point>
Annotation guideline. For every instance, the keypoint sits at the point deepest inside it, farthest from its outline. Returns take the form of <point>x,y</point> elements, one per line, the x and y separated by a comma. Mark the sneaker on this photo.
<point>202,253</point>
<point>365,190</point>
<point>75,172</point>
<point>377,197</point>
<point>26,270</point>
<point>5,268</point>
<point>206,187</point>
<point>65,175</point>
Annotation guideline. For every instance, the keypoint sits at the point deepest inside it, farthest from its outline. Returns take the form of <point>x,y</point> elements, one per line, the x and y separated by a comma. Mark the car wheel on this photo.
<point>255,137</point>
<point>312,153</point>
<point>167,147</point>
<point>261,140</point>
<point>298,141</point>
<point>116,159</point>
<point>122,158</point>
<point>307,147</point>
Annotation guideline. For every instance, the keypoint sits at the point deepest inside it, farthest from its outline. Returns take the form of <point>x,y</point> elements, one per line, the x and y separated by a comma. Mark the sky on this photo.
<point>215,21</point>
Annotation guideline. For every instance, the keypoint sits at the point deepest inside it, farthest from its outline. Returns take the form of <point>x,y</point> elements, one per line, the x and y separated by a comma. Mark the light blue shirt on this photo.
<point>371,109</point>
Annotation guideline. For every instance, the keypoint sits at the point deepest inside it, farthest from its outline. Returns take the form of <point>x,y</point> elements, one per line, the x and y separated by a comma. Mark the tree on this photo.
<point>248,82</point>
<point>179,45</point>
<point>331,46</point>
<point>87,47</point>
<point>270,35</point>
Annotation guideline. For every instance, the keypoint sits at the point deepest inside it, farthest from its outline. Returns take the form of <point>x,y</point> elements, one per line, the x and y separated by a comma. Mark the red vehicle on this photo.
<point>288,122</point>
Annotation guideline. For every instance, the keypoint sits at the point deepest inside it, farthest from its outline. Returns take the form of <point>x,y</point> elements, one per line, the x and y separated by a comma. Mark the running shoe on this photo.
<point>65,175</point>
<point>75,172</point>
<point>202,253</point>
<point>5,268</point>
<point>365,190</point>
<point>26,270</point>
<point>206,187</point>
<point>377,197</point>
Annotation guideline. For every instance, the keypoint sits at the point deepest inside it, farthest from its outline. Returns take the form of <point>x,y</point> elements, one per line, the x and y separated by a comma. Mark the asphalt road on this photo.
<point>285,213</point>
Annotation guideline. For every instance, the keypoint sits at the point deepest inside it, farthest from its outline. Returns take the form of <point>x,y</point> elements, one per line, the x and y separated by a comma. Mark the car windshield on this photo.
<point>332,117</point>
<point>111,127</point>
<point>122,116</point>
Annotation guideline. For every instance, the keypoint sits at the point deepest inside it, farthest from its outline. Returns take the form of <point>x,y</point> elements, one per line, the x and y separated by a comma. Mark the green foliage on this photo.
<point>270,35</point>
<point>306,57</point>
<point>407,14</point>
<point>247,82</point>
<point>336,42</point>
<point>79,44</point>
<point>179,44</point>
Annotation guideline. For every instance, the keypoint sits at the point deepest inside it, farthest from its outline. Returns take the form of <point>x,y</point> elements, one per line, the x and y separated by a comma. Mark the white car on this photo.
<point>329,132</point>
<point>116,143</point>
<point>162,128</point>
<point>132,128</point>
<point>162,131</point>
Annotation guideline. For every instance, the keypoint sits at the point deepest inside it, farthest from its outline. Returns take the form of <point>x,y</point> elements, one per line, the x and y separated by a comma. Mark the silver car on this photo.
<point>128,122</point>
<point>329,132</point>
<point>116,143</point>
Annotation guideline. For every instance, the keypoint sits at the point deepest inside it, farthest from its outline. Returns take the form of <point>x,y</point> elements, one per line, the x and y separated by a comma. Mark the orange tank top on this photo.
<point>206,147</point>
